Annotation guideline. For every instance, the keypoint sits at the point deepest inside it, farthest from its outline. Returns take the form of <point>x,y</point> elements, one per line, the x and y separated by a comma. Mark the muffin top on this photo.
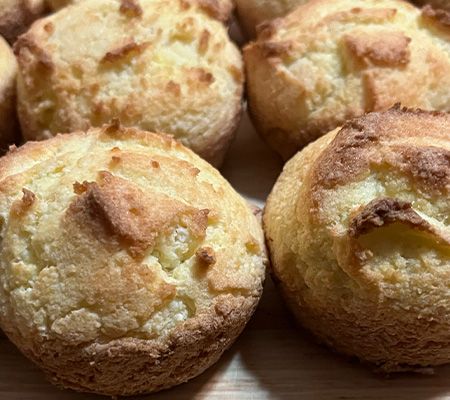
<point>116,233</point>
<point>327,62</point>
<point>158,65</point>
<point>361,217</point>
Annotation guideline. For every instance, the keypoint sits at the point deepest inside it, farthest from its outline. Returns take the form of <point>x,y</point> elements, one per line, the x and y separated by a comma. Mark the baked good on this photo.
<point>159,65</point>
<point>327,62</point>
<point>17,15</point>
<point>128,264</point>
<point>8,118</point>
<point>358,233</point>
<point>254,12</point>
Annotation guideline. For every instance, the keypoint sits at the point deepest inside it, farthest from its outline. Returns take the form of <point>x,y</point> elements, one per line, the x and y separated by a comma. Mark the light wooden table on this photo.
<point>272,359</point>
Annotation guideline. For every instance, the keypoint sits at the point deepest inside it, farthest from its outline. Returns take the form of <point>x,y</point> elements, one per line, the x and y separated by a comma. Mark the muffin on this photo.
<point>253,12</point>
<point>128,264</point>
<point>17,15</point>
<point>327,62</point>
<point>8,118</point>
<point>359,237</point>
<point>159,65</point>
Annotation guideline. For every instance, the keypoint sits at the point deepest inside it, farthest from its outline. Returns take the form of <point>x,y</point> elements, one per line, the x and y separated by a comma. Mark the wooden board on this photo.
<point>273,359</point>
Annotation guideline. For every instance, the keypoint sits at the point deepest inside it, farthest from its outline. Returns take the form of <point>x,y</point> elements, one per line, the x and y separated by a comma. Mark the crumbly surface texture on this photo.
<point>158,65</point>
<point>8,118</point>
<point>253,12</point>
<point>358,229</point>
<point>127,263</point>
<point>17,15</point>
<point>327,62</point>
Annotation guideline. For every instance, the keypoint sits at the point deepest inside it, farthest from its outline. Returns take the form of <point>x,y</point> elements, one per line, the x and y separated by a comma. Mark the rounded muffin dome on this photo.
<point>359,237</point>
<point>8,119</point>
<point>17,15</point>
<point>158,65</point>
<point>254,12</point>
<point>128,264</point>
<point>327,62</point>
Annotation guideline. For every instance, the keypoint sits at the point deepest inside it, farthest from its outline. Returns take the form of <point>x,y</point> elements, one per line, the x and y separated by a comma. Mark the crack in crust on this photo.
<point>386,211</point>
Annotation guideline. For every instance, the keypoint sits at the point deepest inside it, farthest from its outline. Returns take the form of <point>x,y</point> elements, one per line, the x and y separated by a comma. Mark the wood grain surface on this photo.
<point>273,359</point>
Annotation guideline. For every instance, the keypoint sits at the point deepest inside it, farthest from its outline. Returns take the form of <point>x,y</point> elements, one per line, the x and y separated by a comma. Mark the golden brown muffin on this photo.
<point>17,15</point>
<point>8,118</point>
<point>159,65</point>
<point>253,12</point>
<point>359,237</point>
<point>331,61</point>
<point>128,264</point>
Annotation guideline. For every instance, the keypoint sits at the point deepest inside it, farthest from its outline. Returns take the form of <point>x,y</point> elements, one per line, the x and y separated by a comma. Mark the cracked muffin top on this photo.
<point>158,65</point>
<point>330,61</point>
<point>358,228</point>
<point>116,236</point>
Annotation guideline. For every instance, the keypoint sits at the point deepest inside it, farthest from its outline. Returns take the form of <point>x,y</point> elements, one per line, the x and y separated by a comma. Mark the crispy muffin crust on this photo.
<point>8,118</point>
<point>328,62</point>
<point>161,66</point>
<point>128,264</point>
<point>359,237</point>
<point>254,12</point>
<point>17,15</point>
